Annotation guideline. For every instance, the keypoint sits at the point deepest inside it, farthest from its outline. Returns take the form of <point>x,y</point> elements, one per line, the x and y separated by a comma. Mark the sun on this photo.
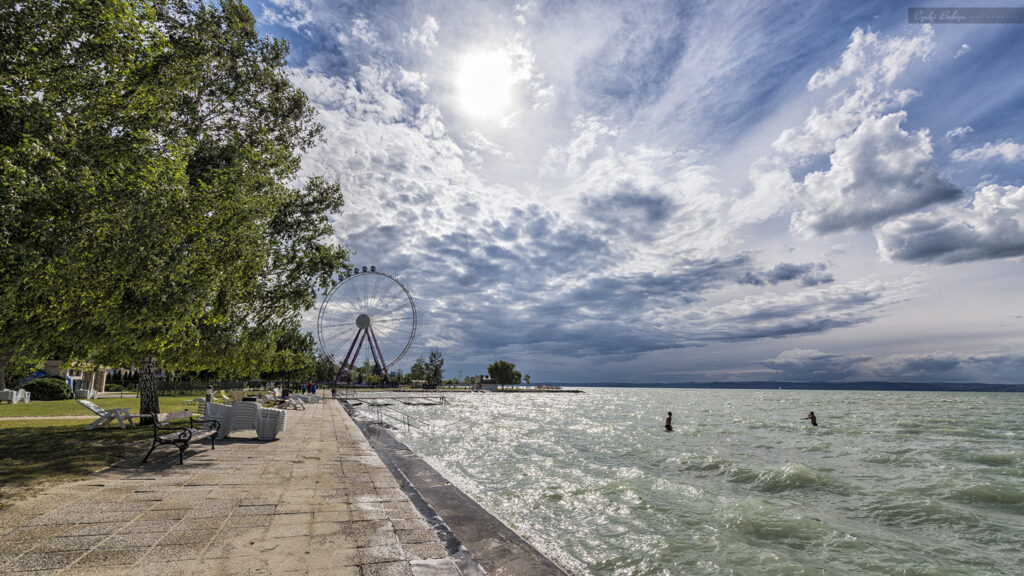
<point>484,84</point>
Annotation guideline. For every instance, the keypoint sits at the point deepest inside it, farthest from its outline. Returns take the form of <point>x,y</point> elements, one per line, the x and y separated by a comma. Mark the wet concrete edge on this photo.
<point>473,537</point>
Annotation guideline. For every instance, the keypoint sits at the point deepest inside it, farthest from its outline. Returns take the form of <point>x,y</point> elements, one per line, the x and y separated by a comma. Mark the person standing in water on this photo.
<point>668,423</point>
<point>811,417</point>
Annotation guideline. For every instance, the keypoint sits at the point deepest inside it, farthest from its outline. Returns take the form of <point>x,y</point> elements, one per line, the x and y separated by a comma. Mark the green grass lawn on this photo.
<point>37,453</point>
<point>73,408</point>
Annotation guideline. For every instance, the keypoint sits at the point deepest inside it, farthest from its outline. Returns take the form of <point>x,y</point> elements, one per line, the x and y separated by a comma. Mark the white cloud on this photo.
<point>877,173</point>
<point>292,14</point>
<point>991,226</point>
<point>964,49</point>
<point>869,65</point>
<point>431,122</point>
<point>362,31</point>
<point>1007,151</point>
<point>773,190</point>
<point>523,10</point>
<point>870,60</point>
<point>424,37</point>
<point>572,157</point>
<point>958,131</point>
<point>477,141</point>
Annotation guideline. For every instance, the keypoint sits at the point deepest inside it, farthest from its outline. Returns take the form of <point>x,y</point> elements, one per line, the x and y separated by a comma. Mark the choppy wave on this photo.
<point>889,483</point>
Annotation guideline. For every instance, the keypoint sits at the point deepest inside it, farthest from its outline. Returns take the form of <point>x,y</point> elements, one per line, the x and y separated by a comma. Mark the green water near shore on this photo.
<point>889,483</point>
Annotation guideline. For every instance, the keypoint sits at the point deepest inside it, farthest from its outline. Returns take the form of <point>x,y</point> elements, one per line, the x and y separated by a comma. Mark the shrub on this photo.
<point>49,389</point>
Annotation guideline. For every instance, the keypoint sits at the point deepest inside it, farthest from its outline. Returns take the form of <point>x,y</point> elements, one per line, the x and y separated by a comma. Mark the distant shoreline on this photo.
<point>845,386</point>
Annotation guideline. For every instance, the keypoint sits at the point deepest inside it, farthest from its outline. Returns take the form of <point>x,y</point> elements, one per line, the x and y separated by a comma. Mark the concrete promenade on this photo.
<point>318,500</point>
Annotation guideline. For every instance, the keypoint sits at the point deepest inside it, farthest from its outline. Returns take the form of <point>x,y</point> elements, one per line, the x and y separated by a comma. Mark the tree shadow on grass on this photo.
<point>32,456</point>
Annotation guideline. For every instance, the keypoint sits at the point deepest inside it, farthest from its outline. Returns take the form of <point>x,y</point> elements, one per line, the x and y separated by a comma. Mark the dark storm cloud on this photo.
<point>807,274</point>
<point>802,365</point>
<point>810,311</point>
<point>631,211</point>
<point>989,228</point>
<point>921,364</point>
<point>628,315</point>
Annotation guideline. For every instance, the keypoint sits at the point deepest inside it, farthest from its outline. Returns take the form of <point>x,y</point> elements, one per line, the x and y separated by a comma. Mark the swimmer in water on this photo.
<point>668,423</point>
<point>812,418</point>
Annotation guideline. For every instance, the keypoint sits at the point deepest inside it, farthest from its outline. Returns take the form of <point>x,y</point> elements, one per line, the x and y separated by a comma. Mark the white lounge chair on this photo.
<point>244,416</point>
<point>222,414</point>
<point>270,423</point>
<point>15,396</point>
<point>308,398</point>
<point>107,415</point>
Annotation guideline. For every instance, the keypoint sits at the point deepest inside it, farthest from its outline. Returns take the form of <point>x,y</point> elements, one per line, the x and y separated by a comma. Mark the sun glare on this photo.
<point>484,84</point>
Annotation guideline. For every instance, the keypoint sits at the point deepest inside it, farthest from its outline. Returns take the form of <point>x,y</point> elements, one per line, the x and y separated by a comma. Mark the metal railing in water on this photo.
<point>381,407</point>
<point>384,411</point>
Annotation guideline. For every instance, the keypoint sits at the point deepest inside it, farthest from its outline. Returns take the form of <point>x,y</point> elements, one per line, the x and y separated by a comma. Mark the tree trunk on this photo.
<point>5,359</point>
<point>149,402</point>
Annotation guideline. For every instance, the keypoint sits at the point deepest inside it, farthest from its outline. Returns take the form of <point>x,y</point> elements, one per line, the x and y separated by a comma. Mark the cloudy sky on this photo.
<point>668,191</point>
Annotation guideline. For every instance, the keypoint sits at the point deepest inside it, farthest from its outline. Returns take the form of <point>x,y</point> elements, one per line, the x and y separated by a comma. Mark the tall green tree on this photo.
<point>193,245</point>
<point>76,107</point>
<point>419,370</point>
<point>265,242</point>
<point>434,368</point>
<point>504,373</point>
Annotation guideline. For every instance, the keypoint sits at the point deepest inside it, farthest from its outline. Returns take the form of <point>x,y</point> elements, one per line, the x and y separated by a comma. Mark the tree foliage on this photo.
<point>434,368</point>
<point>76,105</point>
<point>419,370</point>
<point>164,221</point>
<point>504,373</point>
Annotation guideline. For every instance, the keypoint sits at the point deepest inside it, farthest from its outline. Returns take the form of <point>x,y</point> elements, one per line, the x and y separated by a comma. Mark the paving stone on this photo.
<point>112,557</point>
<point>288,530</point>
<point>188,538</point>
<point>192,524</point>
<point>248,521</point>
<point>41,561</point>
<point>416,536</point>
<point>91,529</point>
<point>426,550</point>
<point>316,501</point>
<point>71,543</point>
<point>387,569</point>
<point>170,514</point>
<point>131,540</point>
<point>167,568</point>
<point>254,510</point>
<point>375,554</point>
<point>145,525</point>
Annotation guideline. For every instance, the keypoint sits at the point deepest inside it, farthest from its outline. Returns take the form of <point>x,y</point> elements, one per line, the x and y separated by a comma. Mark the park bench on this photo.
<point>181,436</point>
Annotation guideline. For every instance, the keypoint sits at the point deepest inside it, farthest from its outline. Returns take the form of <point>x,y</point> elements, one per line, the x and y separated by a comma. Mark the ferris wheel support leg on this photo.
<point>345,373</point>
<point>378,356</point>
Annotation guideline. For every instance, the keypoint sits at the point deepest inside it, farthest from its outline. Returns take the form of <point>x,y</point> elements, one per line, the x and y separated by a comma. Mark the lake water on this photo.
<point>888,483</point>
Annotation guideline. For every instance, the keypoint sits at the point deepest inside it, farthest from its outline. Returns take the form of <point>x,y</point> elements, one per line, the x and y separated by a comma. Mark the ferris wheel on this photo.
<point>370,316</point>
